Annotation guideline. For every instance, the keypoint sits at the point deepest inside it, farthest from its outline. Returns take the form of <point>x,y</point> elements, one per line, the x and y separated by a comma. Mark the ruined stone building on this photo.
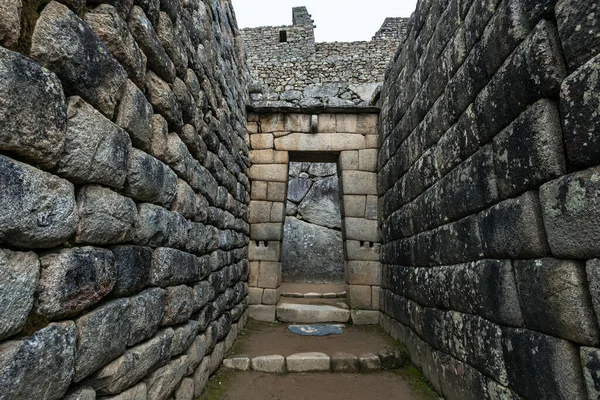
<point>161,172</point>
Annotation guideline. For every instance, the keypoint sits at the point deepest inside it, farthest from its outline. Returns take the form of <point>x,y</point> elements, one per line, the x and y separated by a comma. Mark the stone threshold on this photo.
<point>320,362</point>
<point>315,295</point>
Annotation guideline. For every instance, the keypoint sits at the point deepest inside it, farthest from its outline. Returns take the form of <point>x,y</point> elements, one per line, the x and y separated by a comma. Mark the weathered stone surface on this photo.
<point>40,366</point>
<point>83,393</point>
<point>579,108</point>
<point>105,217</point>
<point>102,336</point>
<point>163,100</point>
<point>272,363</point>
<point>541,366</point>
<point>185,200</point>
<point>10,27</point>
<point>529,152</point>
<point>173,267</point>
<point>345,363</point>
<point>150,180</point>
<point>35,133</point>
<point>312,253</point>
<point>361,229</point>
<point>363,273</point>
<point>360,297</point>
<point>311,314</point>
<point>138,392</point>
<point>514,229</point>
<point>132,264</point>
<point>568,312</point>
<point>39,208</point>
<point>308,362</point>
<point>183,337</point>
<point>298,188</point>
<point>262,312</point>
<point>134,365</point>
<point>146,312</point>
<point>460,381</point>
<point>237,363</point>
<point>72,280</point>
<point>593,275</point>
<point>196,351</point>
<point>178,305</point>
<point>163,381</point>
<point>369,362</point>
<point>113,31</point>
<point>571,209</point>
<point>590,360</point>
<point>321,205</point>
<point>136,116</point>
<point>201,376</point>
<point>320,142</point>
<point>185,391</point>
<point>359,182</point>
<point>95,150</point>
<point>67,46</point>
<point>19,274</point>
<point>146,37</point>
<point>366,317</point>
<point>578,30</point>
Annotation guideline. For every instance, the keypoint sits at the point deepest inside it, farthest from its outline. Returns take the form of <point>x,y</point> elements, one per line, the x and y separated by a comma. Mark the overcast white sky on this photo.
<point>336,20</point>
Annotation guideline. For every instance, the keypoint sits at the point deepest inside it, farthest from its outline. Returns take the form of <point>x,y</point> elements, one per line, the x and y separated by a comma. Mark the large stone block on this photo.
<point>359,296</point>
<point>40,366</point>
<point>95,150</point>
<point>147,39</point>
<point>593,276</point>
<point>460,381</point>
<point>530,151</point>
<point>102,336</point>
<point>19,274</point>
<point>178,305</point>
<point>81,393</point>
<point>33,132</point>
<point>272,364</point>
<point>359,250</point>
<point>579,108</point>
<point>146,313</point>
<point>113,31</point>
<point>363,273</point>
<point>132,264</point>
<point>171,42</point>
<point>38,208</point>
<point>10,27</point>
<point>312,253</point>
<point>72,280</point>
<point>162,98</point>
<point>321,205</point>
<point>163,381</point>
<point>320,142</point>
<point>542,367</point>
<point>578,29</point>
<point>308,362</point>
<point>138,392</point>
<point>266,231</point>
<point>359,182</point>
<point>295,123</point>
<point>134,365</point>
<point>64,44</point>
<point>150,180</point>
<point>514,229</point>
<point>571,210</point>
<point>590,360</point>
<point>273,122</point>
<point>361,229</point>
<point>105,217</point>
<point>264,250</point>
<point>555,299</point>
<point>268,172</point>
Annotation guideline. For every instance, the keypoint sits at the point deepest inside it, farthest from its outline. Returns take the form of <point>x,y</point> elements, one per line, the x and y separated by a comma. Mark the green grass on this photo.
<point>217,385</point>
<point>420,386</point>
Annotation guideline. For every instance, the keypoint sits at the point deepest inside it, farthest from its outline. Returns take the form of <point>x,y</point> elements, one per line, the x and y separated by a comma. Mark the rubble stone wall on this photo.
<point>123,233</point>
<point>490,197</point>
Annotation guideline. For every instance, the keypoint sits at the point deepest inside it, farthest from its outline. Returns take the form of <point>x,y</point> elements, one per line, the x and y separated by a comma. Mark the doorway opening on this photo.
<point>313,249</point>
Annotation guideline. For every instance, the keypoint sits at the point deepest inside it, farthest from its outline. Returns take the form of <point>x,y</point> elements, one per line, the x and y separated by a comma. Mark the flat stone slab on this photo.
<point>272,363</point>
<point>310,314</point>
<point>237,363</point>
<point>308,362</point>
<point>316,330</point>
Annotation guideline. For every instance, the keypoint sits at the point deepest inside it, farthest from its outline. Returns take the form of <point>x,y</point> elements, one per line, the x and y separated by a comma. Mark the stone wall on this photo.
<point>313,250</point>
<point>285,69</point>
<point>351,141</point>
<point>123,239</point>
<point>490,200</point>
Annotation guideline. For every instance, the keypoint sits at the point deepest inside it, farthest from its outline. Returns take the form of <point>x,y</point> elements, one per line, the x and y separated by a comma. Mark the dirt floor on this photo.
<point>263,338</point>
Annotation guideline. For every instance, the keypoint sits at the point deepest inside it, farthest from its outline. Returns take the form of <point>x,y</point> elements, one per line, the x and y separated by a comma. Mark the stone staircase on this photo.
<point>313,304</point>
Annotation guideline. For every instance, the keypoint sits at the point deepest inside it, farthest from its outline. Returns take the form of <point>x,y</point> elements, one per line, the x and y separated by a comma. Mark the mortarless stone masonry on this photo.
<point>128,163</point>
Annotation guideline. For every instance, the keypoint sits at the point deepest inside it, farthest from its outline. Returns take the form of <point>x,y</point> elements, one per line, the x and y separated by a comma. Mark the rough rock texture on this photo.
<point>488,197</point>
<point>312,245</point>
<point>116,216</point>
<point>19,273</point>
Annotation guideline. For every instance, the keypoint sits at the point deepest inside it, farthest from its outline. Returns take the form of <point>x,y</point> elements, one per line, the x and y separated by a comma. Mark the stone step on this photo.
<point>313,290</point>
<point>312,313</point>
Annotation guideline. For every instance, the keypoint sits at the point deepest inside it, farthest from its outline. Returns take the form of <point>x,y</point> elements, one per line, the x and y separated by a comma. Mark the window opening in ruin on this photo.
<point>282,36</point>
<point>313,250</point>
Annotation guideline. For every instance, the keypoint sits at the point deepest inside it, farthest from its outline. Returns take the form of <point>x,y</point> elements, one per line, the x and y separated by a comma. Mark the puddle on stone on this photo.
<point>316,329</point>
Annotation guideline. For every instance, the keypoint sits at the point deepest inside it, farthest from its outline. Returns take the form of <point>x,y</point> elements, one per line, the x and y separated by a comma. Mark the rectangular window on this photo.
<point>282,36</point>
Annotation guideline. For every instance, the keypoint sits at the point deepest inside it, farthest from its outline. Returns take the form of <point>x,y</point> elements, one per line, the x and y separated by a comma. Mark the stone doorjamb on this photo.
<point>353,138</point>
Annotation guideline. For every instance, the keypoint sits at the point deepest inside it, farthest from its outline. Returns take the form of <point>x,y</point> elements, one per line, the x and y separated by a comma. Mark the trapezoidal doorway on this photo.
<point>277,142</point>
